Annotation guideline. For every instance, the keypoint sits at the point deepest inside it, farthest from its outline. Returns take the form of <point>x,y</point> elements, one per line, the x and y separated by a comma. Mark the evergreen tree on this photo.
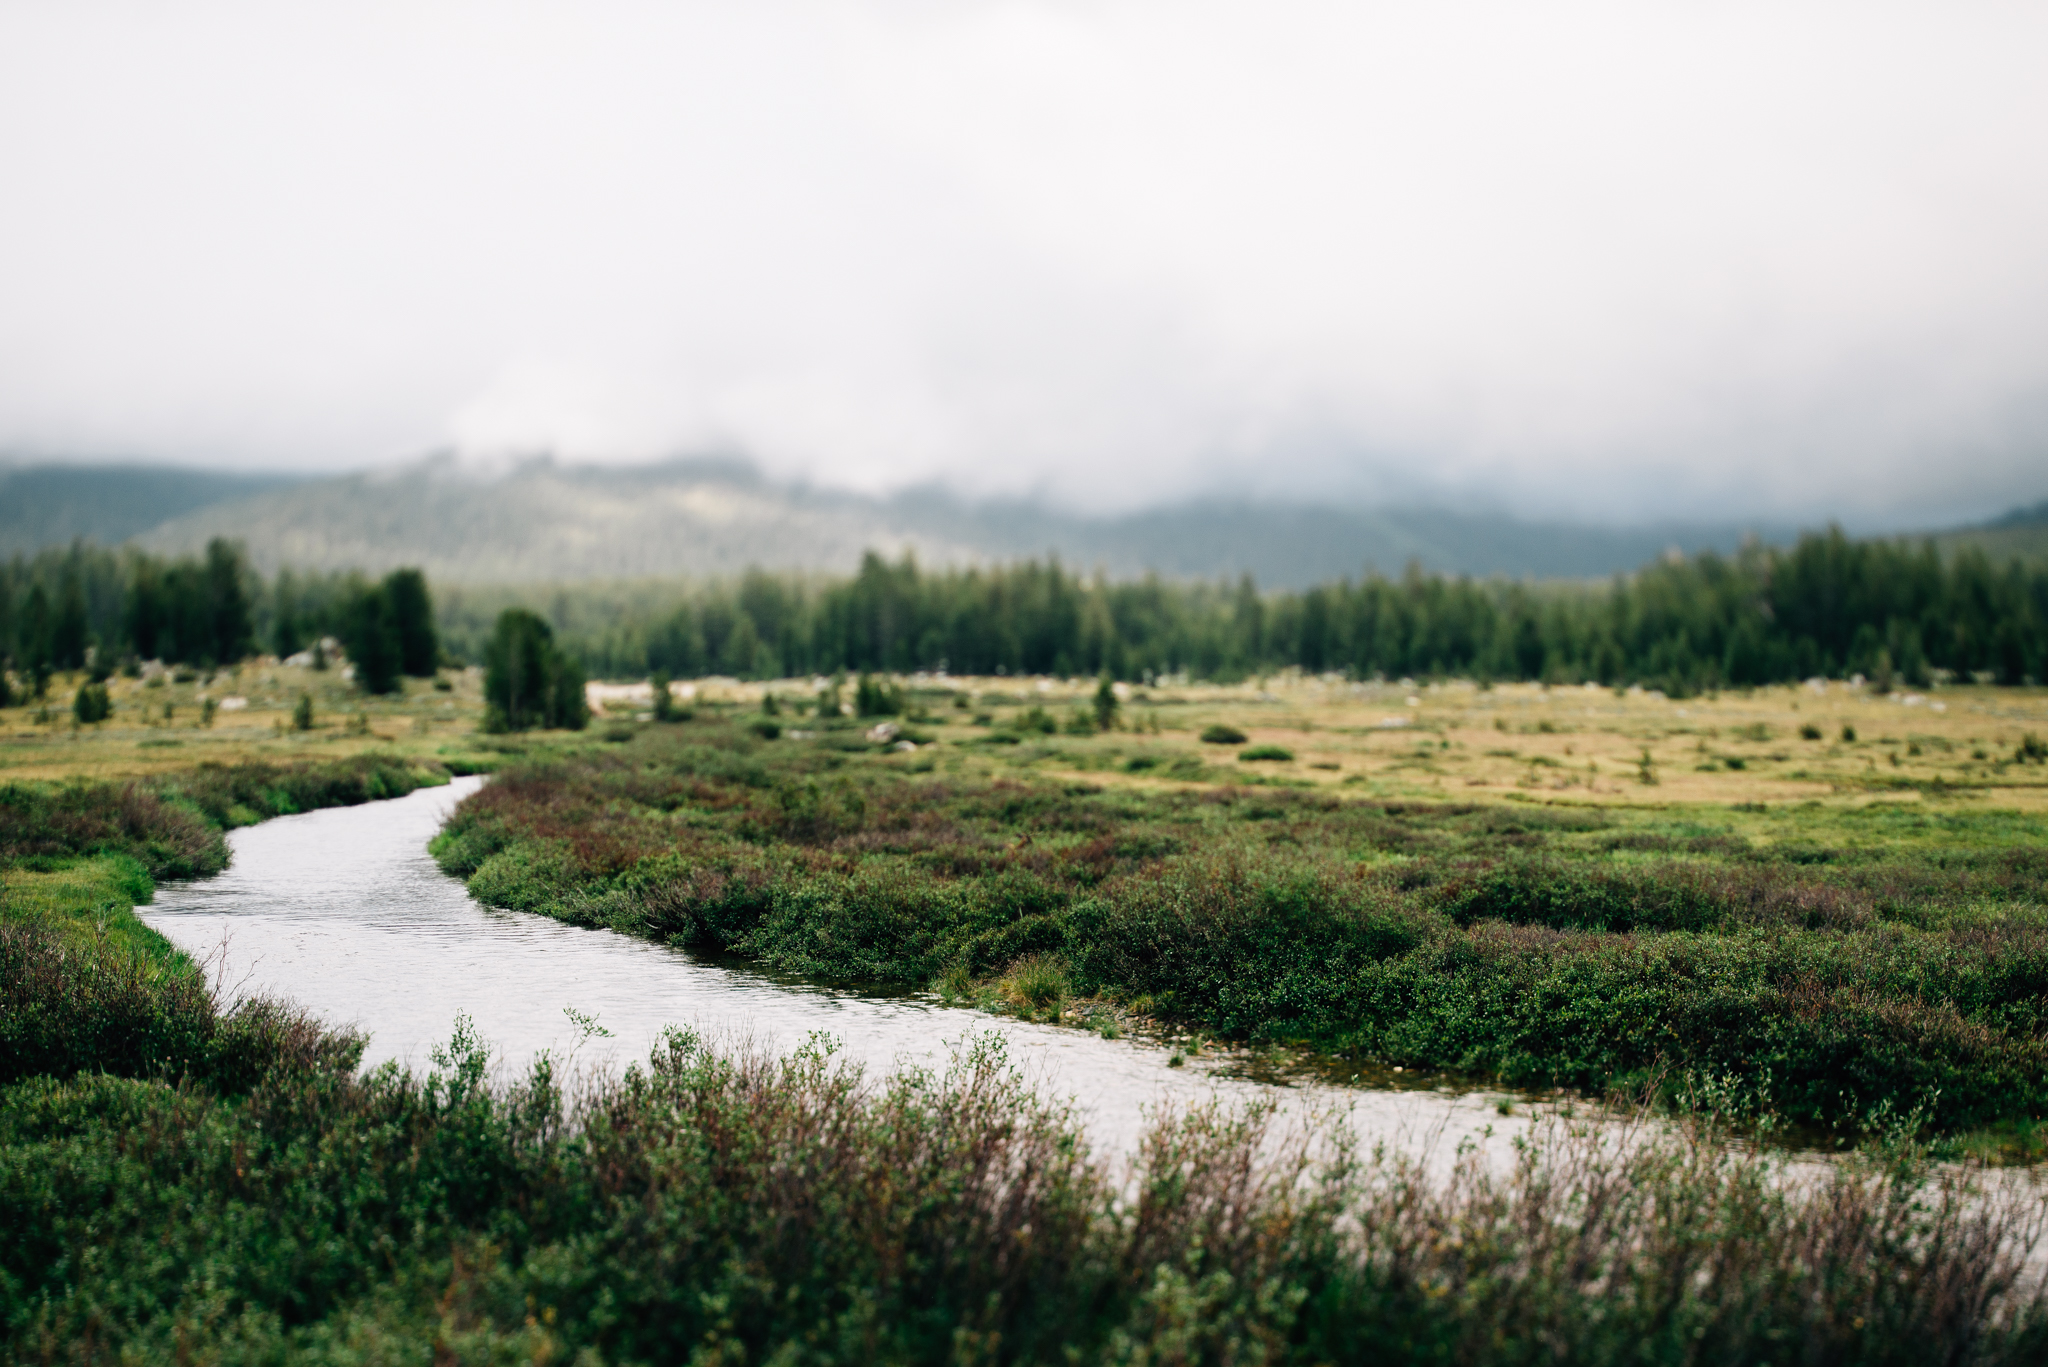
<point>412,609</point>
<point>231,630</point>
<point>287,635</point>
<point>69,632</point>
<point>1106,703</point>
<point>371,639</point>
<point>35,631</point>
<point>664,700</point>
<point>527,681</point>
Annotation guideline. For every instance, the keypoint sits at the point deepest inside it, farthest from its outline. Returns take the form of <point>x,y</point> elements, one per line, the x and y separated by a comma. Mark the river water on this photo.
<point>343,912</point>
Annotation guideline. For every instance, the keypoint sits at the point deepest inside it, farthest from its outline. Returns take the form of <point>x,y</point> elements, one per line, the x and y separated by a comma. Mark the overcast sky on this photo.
<point>1620,260</point>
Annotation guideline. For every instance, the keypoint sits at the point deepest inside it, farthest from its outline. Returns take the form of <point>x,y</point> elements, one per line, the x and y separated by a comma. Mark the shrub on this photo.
<point>99,1006</point>
<point>661,688</point>
<point>1265,752</point>
<point>1039,980</point>
<point>92,703</point>
<point>45,824</point>
<point>1840,981</point>
<point>1809,731</point>
<point>1222,735</point>
<point>746,1208</point>
<point>1034,720</point>
<point>877,697</point>
<point>1106,704</point>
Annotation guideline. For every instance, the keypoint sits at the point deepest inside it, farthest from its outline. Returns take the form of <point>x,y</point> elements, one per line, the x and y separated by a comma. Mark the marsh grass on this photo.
<point>1037,981</point>
<point>183,1181</point>
<point>1533,946</point>
<point>745,1207</point>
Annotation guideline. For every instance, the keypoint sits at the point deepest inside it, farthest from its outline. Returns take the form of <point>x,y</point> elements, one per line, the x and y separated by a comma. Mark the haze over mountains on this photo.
<point>541,521</point>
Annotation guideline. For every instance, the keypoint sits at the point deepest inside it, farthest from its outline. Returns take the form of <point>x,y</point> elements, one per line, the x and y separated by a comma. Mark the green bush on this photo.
<point>1580,956</point>
<point>1034,720</point>
<point>1222,735</point>
<point>745,1208</point>
<point>1265,752</point>
<point>91,703</point>
<point>180,1181</point>
<point>877,697</point>
<point>1107,704</point>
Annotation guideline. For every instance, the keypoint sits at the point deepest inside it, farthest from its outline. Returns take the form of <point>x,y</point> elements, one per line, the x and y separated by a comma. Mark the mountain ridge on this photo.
<point>539,521</point>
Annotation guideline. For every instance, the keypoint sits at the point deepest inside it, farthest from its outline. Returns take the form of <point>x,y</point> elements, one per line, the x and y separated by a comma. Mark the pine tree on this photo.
<point>412,609</point>
<point>233,630</point>
<point>372,641</point>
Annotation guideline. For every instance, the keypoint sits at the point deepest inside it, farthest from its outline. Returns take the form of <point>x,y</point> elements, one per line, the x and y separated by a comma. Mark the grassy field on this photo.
<point>1539,887</point>
<point>1457,741</point>
<point>1515,742</point>
<point>1453,741</point>
<point>182,1180</point>
<point>164,727</point>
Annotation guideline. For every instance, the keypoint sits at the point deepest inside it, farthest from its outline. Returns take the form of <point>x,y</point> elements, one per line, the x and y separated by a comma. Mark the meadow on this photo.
<point>188,1180</point>
<point>1536,887</point>
<point>195,1179</point>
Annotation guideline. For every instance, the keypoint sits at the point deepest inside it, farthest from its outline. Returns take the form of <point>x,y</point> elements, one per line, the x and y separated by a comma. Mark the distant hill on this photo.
<point>2021,534</point>
<point>541,521</point>
<point>52,505</point>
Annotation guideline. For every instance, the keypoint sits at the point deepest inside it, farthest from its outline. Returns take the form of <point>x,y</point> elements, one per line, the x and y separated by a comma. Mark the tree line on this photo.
<point>93,610</point>
<point>1827,605</point>
<point>86,608</point>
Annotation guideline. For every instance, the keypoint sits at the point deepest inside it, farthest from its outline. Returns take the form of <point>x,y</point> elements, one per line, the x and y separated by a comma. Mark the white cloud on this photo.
<point>1612,258</point>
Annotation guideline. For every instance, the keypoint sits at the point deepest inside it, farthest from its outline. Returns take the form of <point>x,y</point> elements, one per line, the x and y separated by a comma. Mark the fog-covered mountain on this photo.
<point>2021,534</point>
<point>49,505</point>
<point>541,521</point>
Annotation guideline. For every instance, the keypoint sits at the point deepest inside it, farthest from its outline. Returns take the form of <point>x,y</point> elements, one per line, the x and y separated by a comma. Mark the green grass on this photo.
<point>84,984</point>
<point>1841,962</point>
<point>182,1182</point>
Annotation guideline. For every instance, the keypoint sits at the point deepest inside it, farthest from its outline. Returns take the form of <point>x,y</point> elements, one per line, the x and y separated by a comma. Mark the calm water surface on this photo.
<point>343,912</point>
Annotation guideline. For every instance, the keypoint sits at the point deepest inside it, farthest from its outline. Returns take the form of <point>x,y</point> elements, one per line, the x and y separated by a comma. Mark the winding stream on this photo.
<point>343,912</point>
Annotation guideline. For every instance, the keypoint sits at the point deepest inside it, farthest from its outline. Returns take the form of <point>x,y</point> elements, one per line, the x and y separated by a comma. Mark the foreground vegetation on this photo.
<point>186,1182</point>
<point>184,1179</point>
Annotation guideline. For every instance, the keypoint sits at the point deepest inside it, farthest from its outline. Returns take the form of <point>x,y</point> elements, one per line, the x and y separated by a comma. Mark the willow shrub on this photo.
<point>719,1206</point>
<point>1530,946</point>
